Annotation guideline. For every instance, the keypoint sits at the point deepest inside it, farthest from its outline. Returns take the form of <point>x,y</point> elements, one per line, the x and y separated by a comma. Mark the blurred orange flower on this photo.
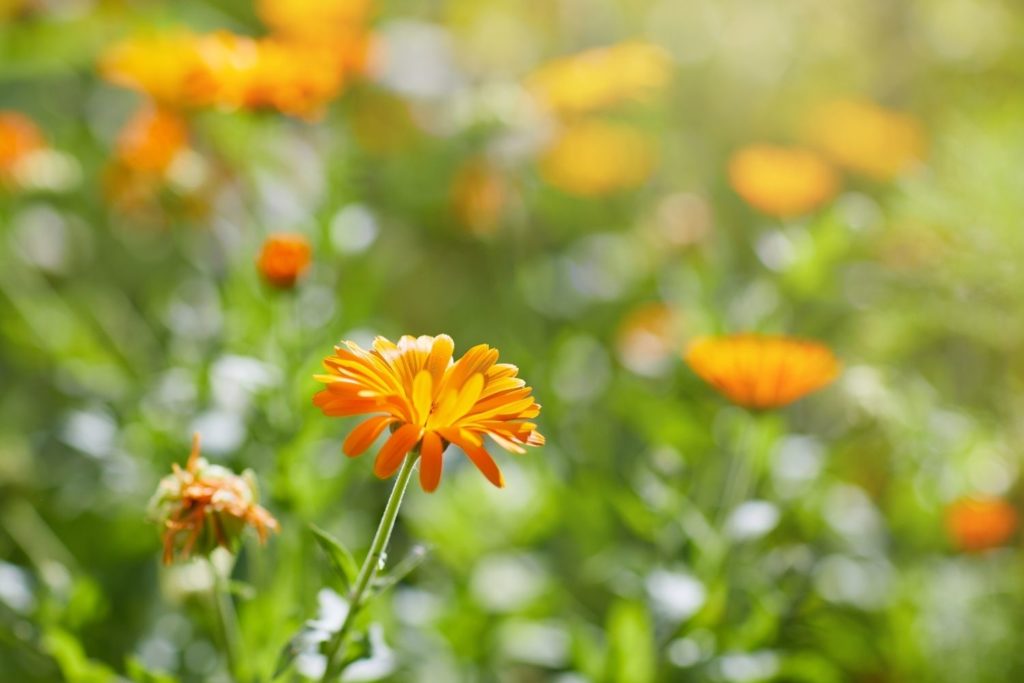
<point>20,137</point>
<point>152,139</point>
<point>782,181</point>
<point>977,524</point>
<point>866,138</point>
<point>478,196</point>
<point>602,77</point>
<point>283,259</point>
<point>761,371</point>
<point>594,158</point>
<point>205,506</point>
<point>429,401</point>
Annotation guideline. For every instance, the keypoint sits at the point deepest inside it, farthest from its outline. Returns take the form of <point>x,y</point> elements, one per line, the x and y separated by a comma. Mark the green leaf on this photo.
<point>414,559</point>
<point>341,559</point>
<point>631,643</point>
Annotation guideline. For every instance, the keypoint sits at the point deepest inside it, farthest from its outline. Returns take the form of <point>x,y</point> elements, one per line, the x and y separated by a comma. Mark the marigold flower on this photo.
<point>152,139</point>
<point>205,506</point>
<point>977,524</point>
<point>20,137</point>
<point>866,138</point>
<point>602,77</point>
<point>283,259</point>
<point>478,195</point>
<point>315,20</point>
<point>782,181</point>
<point>428,401</point>
<point>761,371</point>
<point>596,158</point>
<point>165,66</point>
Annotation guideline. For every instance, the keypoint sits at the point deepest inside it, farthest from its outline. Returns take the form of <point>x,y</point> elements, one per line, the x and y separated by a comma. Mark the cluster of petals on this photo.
<point>428,400</point>
<point>204,506</point>
<point>762,371</point>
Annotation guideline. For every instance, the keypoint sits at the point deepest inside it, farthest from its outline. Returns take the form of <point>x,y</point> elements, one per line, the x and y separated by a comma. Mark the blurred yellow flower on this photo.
<point>602,77</point>
<point>761,371</point>
<point>977,524</point>
<point>204,506</point>
<point>20,137</point>
<point>429,401</point>
<point>478,196</point>
<point>647,338</point>
<point>865,138</point>
<point>165,66</point>
<point>314,20</point>
<point>152,139</point>
<point>593,158</point>
<point>283,259</point>
<point>782,181</point>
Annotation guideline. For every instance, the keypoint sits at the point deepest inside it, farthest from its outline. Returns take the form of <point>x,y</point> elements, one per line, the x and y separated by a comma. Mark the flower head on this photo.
<point>782,181</point>
<point>152,139</point>
<point>429,401</point>
<point>205,506</point>
<point>977,524</point>
<point>601,77</point>
<point>165,66</point>
<point>20,138</point>
<point>866,138</point>
<point>283,259</point>
<point>760,371</point>
<point>593,158</point>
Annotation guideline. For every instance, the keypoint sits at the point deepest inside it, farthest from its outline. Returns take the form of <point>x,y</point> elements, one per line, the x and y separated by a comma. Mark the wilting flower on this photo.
<point>205,506</point>
<point>478,195</point>
<point>20,138</point>
<point>595,158</point>
<point>866,138</point>
<point>761,371</point>
<point>283,259</point>
<point>428,401</point>
<point>782,181</point>
<point>601,77</point>
<point>977,524</point>
<point>152,139</point>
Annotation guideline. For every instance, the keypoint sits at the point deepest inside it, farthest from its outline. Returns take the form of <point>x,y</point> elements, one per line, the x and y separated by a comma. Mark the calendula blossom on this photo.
<point>428,401</point>
<point>204,506</point>
<point>593,158</point>
<point>283,259</point>
<point>20,137</point>
<point>980,523</point>
<point>762,371</point>
<point>152,139</point>
<point>782,181</point>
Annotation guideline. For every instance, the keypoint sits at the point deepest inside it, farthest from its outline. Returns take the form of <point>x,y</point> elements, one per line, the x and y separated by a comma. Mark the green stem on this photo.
<point>227,623</point>
<point>371,566</point>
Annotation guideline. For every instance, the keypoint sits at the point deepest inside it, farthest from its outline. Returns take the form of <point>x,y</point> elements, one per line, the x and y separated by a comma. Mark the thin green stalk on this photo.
<point>371,566</point>
<point>227,623</point>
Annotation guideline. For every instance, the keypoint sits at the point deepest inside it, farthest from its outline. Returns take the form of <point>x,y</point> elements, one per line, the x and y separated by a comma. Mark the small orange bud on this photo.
<point>977,524</point>
<point>284,259</point>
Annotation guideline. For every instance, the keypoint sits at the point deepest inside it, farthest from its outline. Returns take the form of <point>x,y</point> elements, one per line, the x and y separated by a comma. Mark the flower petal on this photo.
<point>395,449</point>
<point>485,463</point>
<point>431,461</point>
<point>363,436</point>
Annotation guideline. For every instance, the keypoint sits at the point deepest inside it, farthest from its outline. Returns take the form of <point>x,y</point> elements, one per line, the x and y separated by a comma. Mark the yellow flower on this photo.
<point>760,371</point>
<point>20,138</point>
<point>478,196</point>
<point>428,401</point>
<point>602,77</point>
<point>593,158</point>
<point>977,524</point>
<point>152,139</point>
<point>164,66</point>
<point>315,20</point>
<point>205,506</point>
<point>866,138</point>
<point>283,259</point>
<point>782,181</point>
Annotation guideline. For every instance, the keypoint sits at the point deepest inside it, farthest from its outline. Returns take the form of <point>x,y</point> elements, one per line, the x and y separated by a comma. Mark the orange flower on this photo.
<point>759,371</point>
<point>428,401</point>
<point>596,158</point>
<point>478,196</point>
<point>782,181</point>
<point>19,139</point>
<point>602,77</point>
<point>152,139</point>
<point>164,66</point>
<point>315,20</point>
<point>866,138</point>
<point>205,506</point>
<point>284,259</point>
<point>977,524</point>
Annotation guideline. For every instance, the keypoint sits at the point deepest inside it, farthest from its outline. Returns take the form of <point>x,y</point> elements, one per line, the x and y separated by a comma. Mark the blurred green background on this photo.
<point>613,553</point>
